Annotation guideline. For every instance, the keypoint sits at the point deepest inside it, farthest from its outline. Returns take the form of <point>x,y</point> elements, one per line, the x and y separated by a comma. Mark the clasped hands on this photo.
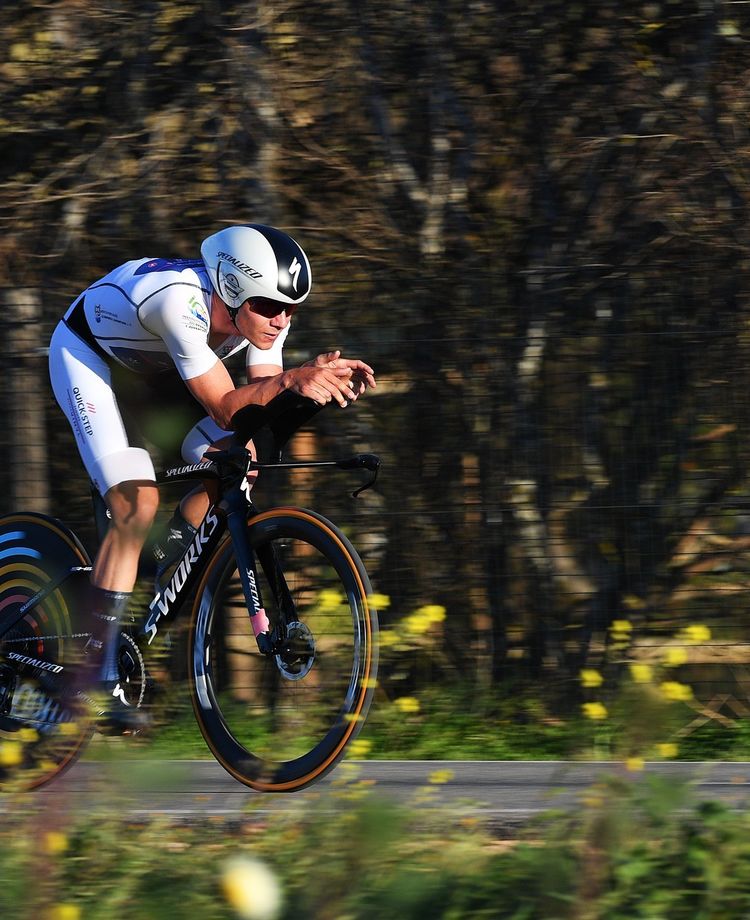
<point>331,377</point>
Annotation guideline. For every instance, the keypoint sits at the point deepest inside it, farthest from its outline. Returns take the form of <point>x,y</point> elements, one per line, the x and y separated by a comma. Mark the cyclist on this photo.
<point>167,321</point>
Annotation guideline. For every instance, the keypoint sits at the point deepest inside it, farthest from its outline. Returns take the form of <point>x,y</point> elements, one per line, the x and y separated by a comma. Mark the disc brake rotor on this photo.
<point>297,656</point>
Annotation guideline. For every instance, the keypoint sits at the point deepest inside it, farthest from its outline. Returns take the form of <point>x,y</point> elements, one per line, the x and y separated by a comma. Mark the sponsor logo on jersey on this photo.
<point>100,314</point>
<point>199,311</point>
<point>82,413</point>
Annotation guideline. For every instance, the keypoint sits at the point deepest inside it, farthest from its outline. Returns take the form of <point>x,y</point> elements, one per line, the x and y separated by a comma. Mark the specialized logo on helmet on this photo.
<point>294,270</point>
<point>242,266</point>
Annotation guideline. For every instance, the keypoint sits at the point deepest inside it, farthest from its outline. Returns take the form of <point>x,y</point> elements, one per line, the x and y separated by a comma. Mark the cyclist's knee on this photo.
<point>131,464</point>
<point>133,506</point>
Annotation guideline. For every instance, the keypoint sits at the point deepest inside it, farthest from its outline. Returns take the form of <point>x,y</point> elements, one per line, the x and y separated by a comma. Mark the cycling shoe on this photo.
<point>111,711</point>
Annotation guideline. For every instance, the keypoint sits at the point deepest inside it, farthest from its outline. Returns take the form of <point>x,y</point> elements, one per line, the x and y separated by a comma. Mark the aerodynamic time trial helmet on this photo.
<point>252,260</point>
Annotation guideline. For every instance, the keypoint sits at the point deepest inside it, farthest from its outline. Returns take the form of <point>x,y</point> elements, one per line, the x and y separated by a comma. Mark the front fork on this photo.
<point>268,640</point>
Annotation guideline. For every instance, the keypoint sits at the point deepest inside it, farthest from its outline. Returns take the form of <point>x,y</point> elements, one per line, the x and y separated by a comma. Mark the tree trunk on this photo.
<point>27,383</point>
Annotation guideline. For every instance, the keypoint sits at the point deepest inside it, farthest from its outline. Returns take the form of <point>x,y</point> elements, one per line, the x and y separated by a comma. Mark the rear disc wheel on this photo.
<point>43,725</point>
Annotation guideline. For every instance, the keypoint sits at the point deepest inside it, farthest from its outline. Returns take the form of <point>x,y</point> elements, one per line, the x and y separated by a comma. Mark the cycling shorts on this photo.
<point>115,413</point>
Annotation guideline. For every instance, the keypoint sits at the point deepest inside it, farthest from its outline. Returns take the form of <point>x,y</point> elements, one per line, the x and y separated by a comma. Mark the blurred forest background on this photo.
<point>530,217</point>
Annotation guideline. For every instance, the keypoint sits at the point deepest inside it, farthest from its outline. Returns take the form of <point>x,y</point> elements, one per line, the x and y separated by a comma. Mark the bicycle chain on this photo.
<point>45,638</point>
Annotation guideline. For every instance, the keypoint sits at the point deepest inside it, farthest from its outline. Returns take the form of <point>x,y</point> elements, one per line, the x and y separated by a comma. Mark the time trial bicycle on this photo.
<point>282,640</point>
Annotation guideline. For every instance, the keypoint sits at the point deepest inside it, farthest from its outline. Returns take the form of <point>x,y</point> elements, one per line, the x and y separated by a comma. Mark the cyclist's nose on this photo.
<point>280,321</point>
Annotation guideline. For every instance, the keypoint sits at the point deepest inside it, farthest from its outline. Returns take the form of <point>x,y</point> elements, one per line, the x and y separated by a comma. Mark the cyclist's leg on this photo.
<point>82,384</point>
<point>132,506</point>
<point>124,475</point>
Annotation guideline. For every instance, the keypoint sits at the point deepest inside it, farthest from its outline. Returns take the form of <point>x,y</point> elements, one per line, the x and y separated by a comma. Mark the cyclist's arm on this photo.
<point>217,393</point>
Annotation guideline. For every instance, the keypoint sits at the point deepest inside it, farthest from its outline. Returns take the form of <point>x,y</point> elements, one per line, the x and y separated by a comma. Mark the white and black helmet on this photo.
<point>252,260</point>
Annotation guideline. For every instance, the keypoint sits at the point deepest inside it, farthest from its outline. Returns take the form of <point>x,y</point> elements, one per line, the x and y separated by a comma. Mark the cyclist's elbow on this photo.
<point>222,416</point>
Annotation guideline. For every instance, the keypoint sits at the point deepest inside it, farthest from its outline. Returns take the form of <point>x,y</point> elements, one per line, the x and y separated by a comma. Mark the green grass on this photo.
<point>455,723</point>
<point>454,726</point>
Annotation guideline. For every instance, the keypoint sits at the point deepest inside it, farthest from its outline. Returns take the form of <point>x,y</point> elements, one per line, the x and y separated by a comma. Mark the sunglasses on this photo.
<point>264,306</point>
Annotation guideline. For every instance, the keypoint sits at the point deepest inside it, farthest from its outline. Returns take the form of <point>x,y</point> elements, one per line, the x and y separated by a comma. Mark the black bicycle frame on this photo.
<point>231,512</point>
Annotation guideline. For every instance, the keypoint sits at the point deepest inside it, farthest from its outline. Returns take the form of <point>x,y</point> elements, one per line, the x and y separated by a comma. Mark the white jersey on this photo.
<point>151,315</point>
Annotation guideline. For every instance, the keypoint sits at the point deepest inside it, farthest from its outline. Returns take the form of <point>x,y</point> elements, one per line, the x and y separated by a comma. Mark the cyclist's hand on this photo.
<point>321,384</point>
<point>362,375</point>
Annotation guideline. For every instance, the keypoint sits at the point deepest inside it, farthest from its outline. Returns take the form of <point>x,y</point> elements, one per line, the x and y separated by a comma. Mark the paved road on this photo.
<point>504,793</point>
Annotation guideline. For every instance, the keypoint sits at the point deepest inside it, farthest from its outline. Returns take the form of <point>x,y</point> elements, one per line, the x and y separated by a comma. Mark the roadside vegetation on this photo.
<point>637,848</point>
<point>639,705</point>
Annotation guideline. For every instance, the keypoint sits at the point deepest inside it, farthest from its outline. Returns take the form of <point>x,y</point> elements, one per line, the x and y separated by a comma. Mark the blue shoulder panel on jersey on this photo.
<point>168,265</point>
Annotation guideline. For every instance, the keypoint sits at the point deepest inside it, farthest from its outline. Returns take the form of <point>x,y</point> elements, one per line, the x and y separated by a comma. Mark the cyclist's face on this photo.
<point>261,320</point>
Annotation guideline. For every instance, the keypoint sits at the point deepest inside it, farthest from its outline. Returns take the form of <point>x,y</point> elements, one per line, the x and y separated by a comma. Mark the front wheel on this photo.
<point>280,722</point>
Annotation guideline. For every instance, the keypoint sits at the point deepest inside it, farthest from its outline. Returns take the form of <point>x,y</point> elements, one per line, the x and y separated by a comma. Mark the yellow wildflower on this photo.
<point>11,754</point>
<point>407,704</point>
<point>388,639</point>
<point>329,600</point>
<point>416,623</point>
<point>667,750</point>
<point>251,888</point>
<point>433,612</point>
<point>423,618</point>
<point>595,711</point>
<point>55,842</point>
<point>641,673</point>
<point>696,633</point>
<point>675,656</point>
<point>379,601</point>
<point>439,777</point>
<point>359,748</point>
<point>65,912</point>
<point>676,692</point>
<point>634,764</point>
<point>591,678</point>
<point>621,630</point>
